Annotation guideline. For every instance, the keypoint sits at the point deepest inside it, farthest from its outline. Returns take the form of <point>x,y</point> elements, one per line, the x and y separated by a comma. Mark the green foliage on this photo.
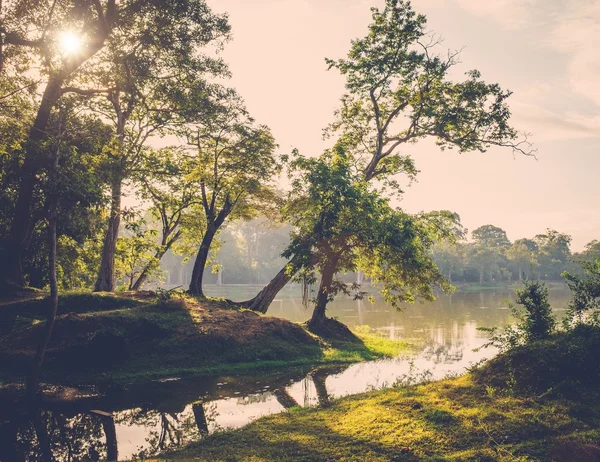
<point>338,220</point>
<point>136,252</point>
<point>399,92</point>
<point>535,320</point>
<point>491,259</point>
<point>585,289</point>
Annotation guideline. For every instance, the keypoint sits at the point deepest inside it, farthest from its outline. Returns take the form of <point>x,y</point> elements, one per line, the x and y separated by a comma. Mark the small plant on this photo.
<point>535,320</point>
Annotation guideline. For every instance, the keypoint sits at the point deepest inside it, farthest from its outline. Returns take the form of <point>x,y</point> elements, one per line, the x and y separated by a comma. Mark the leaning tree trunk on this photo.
<point>164,248</point>
<point>15,245</point>
<point>200,263</point>
<point>106,274</point>
<point>33,379</point>
<point>265,297</point>
<point>284,398</point>
<point>318,317</point>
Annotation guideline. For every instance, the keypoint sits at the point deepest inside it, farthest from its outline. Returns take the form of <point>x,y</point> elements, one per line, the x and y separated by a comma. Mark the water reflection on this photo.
<point>141,422</point>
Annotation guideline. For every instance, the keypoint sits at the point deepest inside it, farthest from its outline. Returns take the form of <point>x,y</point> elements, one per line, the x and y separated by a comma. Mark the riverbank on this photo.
<point>540,402</point>
<point>117,340</point>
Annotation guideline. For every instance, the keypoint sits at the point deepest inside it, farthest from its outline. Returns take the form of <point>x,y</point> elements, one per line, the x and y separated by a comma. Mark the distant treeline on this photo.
<point>490,256</point>
<point>249,253</point>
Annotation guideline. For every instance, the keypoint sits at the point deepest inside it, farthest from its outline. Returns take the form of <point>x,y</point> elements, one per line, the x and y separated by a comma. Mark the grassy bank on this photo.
<point>503,412</point>
<point>130,338</point>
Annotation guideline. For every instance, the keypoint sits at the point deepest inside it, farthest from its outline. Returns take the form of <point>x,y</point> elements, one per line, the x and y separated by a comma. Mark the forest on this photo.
<point>136,185</point>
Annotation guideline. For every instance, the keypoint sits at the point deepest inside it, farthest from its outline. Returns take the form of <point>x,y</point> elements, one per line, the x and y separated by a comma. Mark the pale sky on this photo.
<point>546,51</point>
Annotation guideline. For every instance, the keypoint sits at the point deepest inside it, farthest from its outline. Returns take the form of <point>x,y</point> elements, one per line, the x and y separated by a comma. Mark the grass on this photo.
<point>119,340</point>
<point>455,419</point>
<point>537,403</point>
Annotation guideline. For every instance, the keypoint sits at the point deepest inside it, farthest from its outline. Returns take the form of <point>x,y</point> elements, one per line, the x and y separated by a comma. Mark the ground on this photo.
<point>454,419</point>
<point>539,402</point>
<point>104,338</point>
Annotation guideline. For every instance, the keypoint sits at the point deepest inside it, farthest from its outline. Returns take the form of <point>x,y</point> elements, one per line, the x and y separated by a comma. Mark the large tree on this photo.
<point>342,223</point>
<point>57,41</point>
<point>398,92</point>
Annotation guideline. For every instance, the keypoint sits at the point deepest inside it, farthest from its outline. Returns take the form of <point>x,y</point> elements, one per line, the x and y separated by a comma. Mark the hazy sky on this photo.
<point>546,51</point>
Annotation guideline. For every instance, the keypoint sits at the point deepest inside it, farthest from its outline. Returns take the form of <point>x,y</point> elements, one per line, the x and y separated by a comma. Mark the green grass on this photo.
<point>105,339</point>
<point>454,419</point>
<point>538,402</point>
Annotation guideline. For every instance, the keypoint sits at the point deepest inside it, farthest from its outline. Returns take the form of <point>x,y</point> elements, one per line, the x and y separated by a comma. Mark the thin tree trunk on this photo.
<point>318,316</point>
<point>110,431</point>
<point>201,258</point>
<point>106,274</point>
<point>200,417</point>
<point>41,432</point>
<point>164,248</point>
<point>12,271</point>
<point>33,379</point>
<point>319,377</point>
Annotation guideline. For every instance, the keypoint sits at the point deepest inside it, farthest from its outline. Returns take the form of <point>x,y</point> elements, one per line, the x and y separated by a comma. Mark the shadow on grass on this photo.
<point>453,419</point>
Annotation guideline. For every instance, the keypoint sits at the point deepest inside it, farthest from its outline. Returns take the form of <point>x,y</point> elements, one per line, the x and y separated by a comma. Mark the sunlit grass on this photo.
<point>454,419</point>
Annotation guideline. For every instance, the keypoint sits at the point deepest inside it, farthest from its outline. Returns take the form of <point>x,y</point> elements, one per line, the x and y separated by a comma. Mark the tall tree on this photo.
<point>340,224</point>
<point>154,85</point>
<point>57,39</point>
<point>399,92</point>
<point>235,170</point>
<point>554,252</point>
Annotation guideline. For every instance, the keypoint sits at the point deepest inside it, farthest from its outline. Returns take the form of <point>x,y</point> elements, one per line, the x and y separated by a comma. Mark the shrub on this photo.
<point>535,320</point>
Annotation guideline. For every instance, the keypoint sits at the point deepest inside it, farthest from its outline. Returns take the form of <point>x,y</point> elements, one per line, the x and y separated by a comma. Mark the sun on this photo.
<point>69,43</point>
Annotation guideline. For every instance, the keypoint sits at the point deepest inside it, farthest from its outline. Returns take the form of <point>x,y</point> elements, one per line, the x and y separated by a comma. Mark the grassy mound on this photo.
<point>103,339</point>
<point>564,364</point>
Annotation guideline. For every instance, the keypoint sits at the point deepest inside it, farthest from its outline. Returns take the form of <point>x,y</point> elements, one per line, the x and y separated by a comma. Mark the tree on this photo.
<point>174,205</point>
<point>591,252</point>
<point>153,89</point>
<point>554,252</point>
<point>449,256</point>
<point>341,224</point>
<point>235,166</point>
<point>490,236</point>
<point>398,92</point>
<point>585,289</point>
<point>522,254</point>
<point>31,34</point>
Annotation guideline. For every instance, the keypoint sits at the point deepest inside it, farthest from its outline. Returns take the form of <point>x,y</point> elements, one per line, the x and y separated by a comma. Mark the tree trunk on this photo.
<point>164,248</point>
<point>201,258</point>
<point>319,377</point>
<point>33,379</point>
<point>200,417</point>
<point>106,274</point>
<point>41,432</point>
<point>318,316</point>
<point>220,275</point>
<point>110,431</point>
<point>12,271</point>
<point>265,297</point>
<point>284,398</point>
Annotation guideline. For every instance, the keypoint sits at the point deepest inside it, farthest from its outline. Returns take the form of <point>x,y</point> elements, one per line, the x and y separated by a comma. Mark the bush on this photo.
<point>585,305</point>
<point>535,320</point>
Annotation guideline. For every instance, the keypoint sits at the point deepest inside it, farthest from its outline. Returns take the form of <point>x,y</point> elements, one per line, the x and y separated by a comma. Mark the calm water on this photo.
<point>171,413</point>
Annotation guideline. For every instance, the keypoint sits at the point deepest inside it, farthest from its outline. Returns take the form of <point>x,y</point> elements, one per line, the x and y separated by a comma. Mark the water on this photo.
<point>140,422</point>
